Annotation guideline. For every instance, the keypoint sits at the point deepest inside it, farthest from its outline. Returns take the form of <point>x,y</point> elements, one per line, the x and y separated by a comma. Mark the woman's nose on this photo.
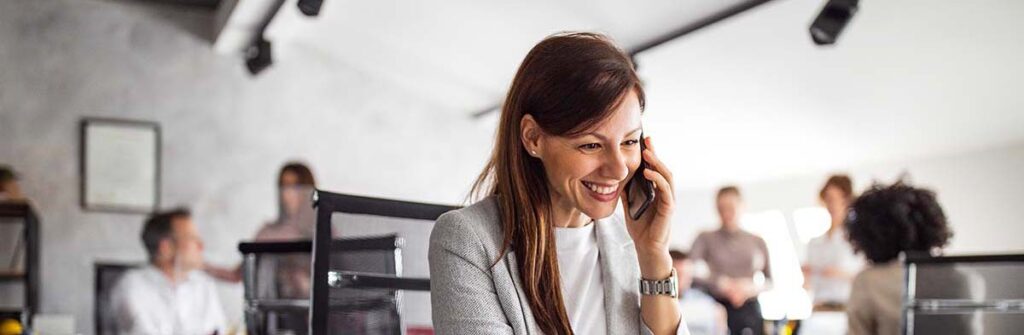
<point>616,165</point>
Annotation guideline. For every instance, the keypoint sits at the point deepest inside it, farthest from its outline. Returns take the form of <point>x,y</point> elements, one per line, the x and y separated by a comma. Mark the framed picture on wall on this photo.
<point>120,165</point>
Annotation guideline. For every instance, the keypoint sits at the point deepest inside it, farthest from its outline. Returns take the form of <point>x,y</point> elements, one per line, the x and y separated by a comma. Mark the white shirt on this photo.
<point>580,268</point>
<point>831,250</point>
<point>146,302</point>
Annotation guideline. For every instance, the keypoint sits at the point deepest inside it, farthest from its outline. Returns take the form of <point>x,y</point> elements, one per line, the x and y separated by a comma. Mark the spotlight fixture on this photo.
<point>830,22</point>
<point>257,57</point>
<point>310,7</point>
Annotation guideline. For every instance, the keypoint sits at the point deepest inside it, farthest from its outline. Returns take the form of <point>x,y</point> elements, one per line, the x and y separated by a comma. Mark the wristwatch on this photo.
<point>668,286</point>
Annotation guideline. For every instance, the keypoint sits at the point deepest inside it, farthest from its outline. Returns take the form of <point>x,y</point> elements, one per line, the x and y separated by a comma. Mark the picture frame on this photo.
<point>120,165</point>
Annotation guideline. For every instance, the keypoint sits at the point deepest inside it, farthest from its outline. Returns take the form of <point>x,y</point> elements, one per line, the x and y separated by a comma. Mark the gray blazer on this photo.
<point>469,296</point>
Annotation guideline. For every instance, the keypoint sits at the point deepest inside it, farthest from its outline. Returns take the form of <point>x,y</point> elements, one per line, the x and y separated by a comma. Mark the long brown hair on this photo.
<point>304,177</point>
<point>569,82</point>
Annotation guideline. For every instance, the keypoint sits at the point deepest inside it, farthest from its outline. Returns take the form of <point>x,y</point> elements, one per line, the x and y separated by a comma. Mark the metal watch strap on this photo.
<point>668,286</point>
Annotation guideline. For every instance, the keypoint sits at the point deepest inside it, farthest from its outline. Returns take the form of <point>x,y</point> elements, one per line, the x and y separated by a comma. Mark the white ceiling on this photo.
<point>465,52</point>
<point>750,98</point>
<point>753,99</point>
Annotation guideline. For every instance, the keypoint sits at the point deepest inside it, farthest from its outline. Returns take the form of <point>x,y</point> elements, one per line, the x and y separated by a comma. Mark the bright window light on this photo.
<point>811,222</point>
<point>786,298</point>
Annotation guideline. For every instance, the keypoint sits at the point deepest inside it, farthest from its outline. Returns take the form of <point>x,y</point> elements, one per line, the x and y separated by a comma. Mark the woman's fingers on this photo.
<point>653,163</point>
<point>663,188</point>
<point>653,157</point>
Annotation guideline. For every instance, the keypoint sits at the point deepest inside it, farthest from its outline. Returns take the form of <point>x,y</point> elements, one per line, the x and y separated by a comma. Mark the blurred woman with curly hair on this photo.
<point>885,222</point>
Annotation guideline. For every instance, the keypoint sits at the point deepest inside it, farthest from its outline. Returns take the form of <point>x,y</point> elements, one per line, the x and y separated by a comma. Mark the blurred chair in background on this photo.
<point>704,315</point>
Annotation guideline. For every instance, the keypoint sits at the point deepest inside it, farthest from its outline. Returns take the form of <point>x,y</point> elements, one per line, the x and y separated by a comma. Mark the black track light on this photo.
<point>830,22</point>
<point>257,57</point>
<point>310,7</point>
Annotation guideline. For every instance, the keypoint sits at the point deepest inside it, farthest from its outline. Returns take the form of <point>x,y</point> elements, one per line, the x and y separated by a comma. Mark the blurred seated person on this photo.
<point>884,222</point>
<point>296,221</point>
<point>831,262</point>
<point>704,316</point>
<point>9,188</point>
<point>168,296</point>
<point>735,258</point>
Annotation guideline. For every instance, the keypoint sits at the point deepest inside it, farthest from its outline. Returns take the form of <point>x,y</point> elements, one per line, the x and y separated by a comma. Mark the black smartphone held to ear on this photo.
<point>639,190</point>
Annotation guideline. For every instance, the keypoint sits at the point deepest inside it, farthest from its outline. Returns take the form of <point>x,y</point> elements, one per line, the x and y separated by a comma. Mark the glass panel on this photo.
<point>970,281</point>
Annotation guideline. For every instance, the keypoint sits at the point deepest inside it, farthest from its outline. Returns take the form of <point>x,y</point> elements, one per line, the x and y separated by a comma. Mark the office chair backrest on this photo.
<point>964,295</point>
<point>386,228</point>
<point>107,276</point>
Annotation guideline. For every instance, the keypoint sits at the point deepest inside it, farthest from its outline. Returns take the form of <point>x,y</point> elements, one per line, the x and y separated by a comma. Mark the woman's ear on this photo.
<point>531,135</point>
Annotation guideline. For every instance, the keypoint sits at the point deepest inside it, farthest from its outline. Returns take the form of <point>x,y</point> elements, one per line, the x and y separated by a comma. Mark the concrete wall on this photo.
<point>225,133</point>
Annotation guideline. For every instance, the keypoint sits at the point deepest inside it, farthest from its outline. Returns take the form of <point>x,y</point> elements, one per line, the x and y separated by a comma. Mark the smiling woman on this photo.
<point>544,251</point>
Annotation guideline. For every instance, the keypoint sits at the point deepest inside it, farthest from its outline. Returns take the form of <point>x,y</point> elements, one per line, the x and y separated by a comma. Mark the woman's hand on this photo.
<point>650,238</point>
<point>651,233</point>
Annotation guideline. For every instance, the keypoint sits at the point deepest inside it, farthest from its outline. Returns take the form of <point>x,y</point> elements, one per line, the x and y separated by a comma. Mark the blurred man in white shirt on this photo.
<point>169,296</point>
<point>704,315</point>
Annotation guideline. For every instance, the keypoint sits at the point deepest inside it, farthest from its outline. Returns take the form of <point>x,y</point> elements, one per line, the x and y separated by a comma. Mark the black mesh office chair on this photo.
<point>961,295</point>
<point>358,282</point>
<point>107,276</point>
<point>275,278</point>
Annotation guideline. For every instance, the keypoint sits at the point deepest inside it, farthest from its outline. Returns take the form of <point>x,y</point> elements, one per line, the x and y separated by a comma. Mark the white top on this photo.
<point>146,302</point>
<point>580,268</point>
<point>701,312</point>
<point>831,250</point>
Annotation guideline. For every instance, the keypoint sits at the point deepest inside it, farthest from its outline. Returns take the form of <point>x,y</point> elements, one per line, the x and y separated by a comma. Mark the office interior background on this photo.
<point>398,100</point>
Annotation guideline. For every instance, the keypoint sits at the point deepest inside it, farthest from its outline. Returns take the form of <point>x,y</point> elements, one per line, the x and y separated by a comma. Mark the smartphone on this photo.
<point>639,190</point>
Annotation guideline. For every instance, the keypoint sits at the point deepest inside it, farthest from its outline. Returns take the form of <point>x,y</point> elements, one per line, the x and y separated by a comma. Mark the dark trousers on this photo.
<point>744,320</point>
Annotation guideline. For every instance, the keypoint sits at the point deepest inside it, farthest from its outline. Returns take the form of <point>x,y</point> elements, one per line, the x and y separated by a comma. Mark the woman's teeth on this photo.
<point>600,189</point>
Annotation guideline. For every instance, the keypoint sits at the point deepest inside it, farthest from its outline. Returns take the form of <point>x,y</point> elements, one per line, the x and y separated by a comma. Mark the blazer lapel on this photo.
<point>524,312</point>
<point>620,276</point>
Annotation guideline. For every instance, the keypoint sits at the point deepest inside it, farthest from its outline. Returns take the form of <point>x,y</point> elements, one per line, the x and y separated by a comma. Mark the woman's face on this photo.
<point>588,172</point>
<point>291,192</point>
<point>836,202</point>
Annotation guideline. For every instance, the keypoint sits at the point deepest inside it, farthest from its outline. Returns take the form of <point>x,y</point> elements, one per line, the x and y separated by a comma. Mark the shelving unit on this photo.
<point>29,275</point>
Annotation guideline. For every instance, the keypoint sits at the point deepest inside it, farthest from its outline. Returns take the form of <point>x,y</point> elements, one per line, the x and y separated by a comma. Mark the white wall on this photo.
<point>980,191</point>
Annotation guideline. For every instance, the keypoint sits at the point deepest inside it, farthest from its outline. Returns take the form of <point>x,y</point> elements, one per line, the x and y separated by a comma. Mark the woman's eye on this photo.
<point>590,146</point>
<point>631,142</point>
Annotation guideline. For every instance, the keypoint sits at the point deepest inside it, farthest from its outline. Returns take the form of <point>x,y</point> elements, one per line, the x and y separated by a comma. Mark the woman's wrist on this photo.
<point>655,264</point>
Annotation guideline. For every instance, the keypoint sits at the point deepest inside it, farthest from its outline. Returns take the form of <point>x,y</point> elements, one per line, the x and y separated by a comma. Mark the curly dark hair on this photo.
<point>887,220</point>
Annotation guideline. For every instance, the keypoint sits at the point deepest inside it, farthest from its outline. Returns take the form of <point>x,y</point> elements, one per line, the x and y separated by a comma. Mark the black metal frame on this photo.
<point>912,305</point>
<point>30,277</point>
<point>83,174</point>
<point>327,204</point>
<point>254,306</point>
<point>927,259</point>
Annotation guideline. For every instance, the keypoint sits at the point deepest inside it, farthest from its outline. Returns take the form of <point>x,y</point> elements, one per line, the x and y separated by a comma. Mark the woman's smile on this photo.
<point>601,191</point>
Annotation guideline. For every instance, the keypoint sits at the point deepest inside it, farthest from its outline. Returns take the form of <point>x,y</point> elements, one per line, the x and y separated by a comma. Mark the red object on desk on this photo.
<point>419,330</point>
